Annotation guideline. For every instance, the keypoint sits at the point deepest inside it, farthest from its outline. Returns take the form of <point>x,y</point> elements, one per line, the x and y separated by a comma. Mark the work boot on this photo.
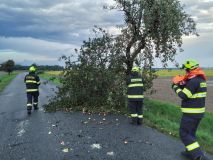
<point>139,121</point>
<point>185,154</point>
<point>29,108</point>
<point>29,112</point>
<point>133,121</point>
<point>35,107</point>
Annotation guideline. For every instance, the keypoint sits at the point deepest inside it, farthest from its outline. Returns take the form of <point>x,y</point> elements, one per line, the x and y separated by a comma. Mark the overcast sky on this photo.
<point>41,31</point>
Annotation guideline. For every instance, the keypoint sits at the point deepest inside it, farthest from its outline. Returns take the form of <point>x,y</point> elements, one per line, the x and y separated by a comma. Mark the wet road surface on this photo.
<point>74,136</point>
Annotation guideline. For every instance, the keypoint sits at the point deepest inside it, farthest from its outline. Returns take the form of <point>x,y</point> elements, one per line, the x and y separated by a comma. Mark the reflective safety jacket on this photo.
<point>32,82</point>
<point>193,95</point>
<point>135,88</point>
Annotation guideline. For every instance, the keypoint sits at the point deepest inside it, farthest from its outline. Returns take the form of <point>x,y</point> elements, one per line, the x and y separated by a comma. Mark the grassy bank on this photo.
<point>5,79</point>
<point>52,76</point>
<point>165,117</point>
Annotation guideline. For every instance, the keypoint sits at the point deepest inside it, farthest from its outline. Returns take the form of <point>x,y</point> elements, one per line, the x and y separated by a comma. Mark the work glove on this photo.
<point>174,86</point>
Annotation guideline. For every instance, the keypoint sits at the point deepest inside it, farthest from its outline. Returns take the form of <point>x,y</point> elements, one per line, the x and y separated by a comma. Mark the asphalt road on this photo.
<point>74,136</point>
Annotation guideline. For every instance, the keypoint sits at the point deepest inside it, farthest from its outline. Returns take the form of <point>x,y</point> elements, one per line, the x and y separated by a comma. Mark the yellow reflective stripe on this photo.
<point>203,85</point>
<point>32,90</point>
<point>30,81</point>
<point>135,85</point>
<point>39,82</point>
<point>187,92</point>
<point>29,104</point>
<point>193,110</point>
<point>136,80</point>
<point>135,96</point>
<point>192,146</point>
<point>178,90</point>
<point>140,116</point>
<point>199,95</point>
<point>134,115</point>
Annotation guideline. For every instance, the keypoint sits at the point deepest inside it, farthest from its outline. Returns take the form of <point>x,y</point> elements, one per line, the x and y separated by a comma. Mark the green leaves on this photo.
<point>156,25</point>
<point>152,29</point>
<point>8,66</point>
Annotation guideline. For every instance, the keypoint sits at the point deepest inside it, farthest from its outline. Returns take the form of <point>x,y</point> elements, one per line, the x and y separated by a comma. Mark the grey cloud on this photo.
<point>36,47</point>
<point>53,19</point>
<point>202,10</point>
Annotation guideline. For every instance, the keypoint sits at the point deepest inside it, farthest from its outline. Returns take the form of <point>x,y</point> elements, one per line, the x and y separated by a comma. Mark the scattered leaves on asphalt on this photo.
<point>110,153</point>
<point>50,133</point>
<point>65,150</point>
<point>96,146</point>
<point>62,143</point>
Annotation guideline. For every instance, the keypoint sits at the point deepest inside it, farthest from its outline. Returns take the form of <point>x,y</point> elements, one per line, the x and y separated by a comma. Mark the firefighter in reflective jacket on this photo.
<point>135,96</point>
<point>32,84</point>
<point>192,89</point>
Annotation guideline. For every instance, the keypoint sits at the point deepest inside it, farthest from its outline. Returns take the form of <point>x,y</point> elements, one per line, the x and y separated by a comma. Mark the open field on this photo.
<point>52,76</point>
<point>162,85</point>
<point>169,73</point>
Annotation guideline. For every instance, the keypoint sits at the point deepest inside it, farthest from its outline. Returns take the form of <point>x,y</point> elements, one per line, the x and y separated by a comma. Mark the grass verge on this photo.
<point>165,117</point>
<point>6,79</point>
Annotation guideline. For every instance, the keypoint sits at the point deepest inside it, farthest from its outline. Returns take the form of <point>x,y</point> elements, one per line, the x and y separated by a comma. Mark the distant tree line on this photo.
<point>9,66</point>
<point>40,67</point>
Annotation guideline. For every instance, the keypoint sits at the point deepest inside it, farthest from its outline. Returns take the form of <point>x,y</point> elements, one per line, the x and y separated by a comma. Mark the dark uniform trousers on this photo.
<point>32,100</point>
<point>136,111</point>
<point>193,95</point>
<point>188,128</point>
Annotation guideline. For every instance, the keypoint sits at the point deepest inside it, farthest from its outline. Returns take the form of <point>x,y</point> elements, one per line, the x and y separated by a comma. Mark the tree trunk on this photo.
<point>129,65</point>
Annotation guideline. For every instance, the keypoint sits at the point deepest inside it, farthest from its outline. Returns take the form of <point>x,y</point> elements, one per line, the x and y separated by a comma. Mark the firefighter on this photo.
<point>32,84</point>
<point>135,96</point>
<point>192,89</point>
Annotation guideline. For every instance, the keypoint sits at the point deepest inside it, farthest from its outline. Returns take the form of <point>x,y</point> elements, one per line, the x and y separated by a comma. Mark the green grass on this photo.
<point>169,73</point>
<point>5,79</point>
<point>52,76</point>
<point>165,117</point>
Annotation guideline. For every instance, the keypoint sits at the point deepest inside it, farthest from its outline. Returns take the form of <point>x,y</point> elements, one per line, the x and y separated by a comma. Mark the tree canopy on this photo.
<point>8,66</point>
<point>152,29</point>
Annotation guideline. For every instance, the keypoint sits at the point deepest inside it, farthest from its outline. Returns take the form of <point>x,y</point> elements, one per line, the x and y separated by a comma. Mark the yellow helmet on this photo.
<point>190,65</point>
<point>135,69</point>
<point>32,69</point>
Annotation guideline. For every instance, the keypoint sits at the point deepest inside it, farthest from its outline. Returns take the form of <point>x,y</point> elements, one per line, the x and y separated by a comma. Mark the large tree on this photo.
<point>152,29</point>
<point>8,66</point>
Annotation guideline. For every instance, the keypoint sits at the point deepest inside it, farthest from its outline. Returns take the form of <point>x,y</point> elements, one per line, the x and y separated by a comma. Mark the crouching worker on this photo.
<point>135,96</point>
<point>32,84</point>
